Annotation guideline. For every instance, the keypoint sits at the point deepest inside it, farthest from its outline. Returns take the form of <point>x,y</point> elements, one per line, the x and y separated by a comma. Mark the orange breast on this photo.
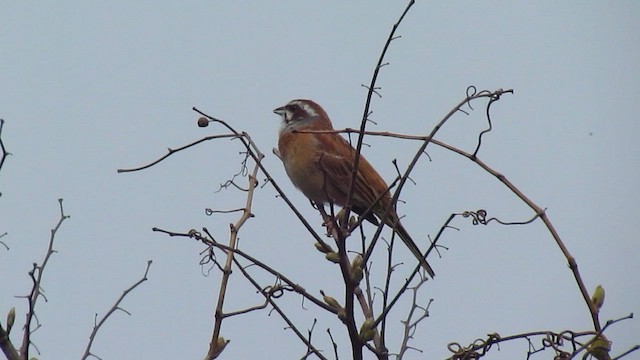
<point>300,157</point>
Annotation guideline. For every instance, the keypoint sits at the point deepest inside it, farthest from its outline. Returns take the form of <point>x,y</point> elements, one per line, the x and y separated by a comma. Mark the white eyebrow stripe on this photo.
<point>304,105</point>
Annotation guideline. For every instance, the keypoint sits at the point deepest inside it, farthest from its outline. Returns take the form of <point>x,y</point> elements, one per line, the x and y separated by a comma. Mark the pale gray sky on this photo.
<point>89,87</point>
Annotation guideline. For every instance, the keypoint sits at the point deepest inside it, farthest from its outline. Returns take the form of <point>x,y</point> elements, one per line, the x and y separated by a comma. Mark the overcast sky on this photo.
<point>90,87</point>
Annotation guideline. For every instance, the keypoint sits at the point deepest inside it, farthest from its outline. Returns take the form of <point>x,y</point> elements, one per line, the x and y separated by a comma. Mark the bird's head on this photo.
<point>303,114</point>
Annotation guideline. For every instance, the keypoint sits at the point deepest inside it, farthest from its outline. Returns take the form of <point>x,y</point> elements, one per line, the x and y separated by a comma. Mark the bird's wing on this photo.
<point>338,170</point>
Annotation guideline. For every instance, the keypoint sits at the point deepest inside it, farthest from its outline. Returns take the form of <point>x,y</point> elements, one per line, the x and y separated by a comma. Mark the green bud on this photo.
<point>356,269</point>
<point>11,319</point>
<point>333,257</point>
<point>332,302</point>
<point>367,331</point>
<point>323,248</point>
<point>599,348</point>
<point>598,297</point>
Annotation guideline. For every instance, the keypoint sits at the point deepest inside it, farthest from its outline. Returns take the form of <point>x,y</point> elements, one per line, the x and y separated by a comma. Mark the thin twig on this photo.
<point>4,150</point>
<point>173,151</point>
<point>410,324</point>
<point>233,238</point>
<point>297,288</point>
<point>539,212</point>
<point>116,306</point>
<point>36,274</point>
<point>366,112</point>
<point>550,338</point>
<point>249,144</point>
<point>2,243</point>
<point>312,349</point>
<point>345,268</point>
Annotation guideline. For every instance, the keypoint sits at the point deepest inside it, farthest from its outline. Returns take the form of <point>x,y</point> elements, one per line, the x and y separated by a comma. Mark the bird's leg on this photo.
<point>328,222</point>
<point>341,222</point>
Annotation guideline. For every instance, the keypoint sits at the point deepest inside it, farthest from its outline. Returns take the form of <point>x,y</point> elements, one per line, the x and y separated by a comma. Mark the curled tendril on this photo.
<point>555,342</point>
<point>471,352</point>
<point>274,291</point>
<point>471,91</point>
<point>478,217</point>
<point>460,352</point>
<point>277,290</point>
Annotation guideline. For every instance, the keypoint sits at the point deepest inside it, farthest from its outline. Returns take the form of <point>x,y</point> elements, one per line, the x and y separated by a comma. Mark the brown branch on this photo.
<point>291,325</point>
<point>2,243</point>
<point>371,90</point>
<point>633,348</point>
<point>345,268</point>
<point>297,288</point>
<point>422,150</point>
<point>551,339</point>
<point>539,212</point>
<point>233,238</point>
<point>596,336</point>
<point>294,286</point>
<point>380,349</point>
<point>211,212</point>
<point>36,290</point>
<point>410,324</point>
<point>7,346</point>
<point>173,151</point>
<point>352,292</point>
<point>257,156</point>
<point>4,150</point>
<point>387,285</point>
<point>407,282</point>
<point>114,308</point>
<point>249,144</point>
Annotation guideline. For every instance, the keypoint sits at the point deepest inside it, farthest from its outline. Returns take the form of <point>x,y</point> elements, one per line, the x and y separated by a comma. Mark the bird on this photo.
<point>320,165</point>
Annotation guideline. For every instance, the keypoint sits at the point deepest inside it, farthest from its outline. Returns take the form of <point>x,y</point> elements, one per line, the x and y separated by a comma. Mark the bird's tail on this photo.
<point>408,241</point>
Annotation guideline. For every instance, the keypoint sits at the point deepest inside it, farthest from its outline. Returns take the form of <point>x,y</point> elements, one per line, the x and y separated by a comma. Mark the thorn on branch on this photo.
<point>373,90</point>
<point>5,153</point>
<point>2,243</point>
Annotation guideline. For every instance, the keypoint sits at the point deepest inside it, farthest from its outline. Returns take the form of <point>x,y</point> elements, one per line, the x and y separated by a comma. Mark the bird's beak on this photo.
<point>280,111</point>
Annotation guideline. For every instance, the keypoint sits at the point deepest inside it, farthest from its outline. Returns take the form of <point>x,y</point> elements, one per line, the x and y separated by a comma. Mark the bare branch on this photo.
<point>116,306</point>
<point>7,346</point>
<point>557,341</point>
<point>249,144</point>
<point>36,289</point>
<point>173,151</point>
<point>410,324</point>
<point>233,238</point>
<point>539,212</point>
<point>310,347</point>
<point>2,243</point>
<point>4,150</point>
<point>366,111</point>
